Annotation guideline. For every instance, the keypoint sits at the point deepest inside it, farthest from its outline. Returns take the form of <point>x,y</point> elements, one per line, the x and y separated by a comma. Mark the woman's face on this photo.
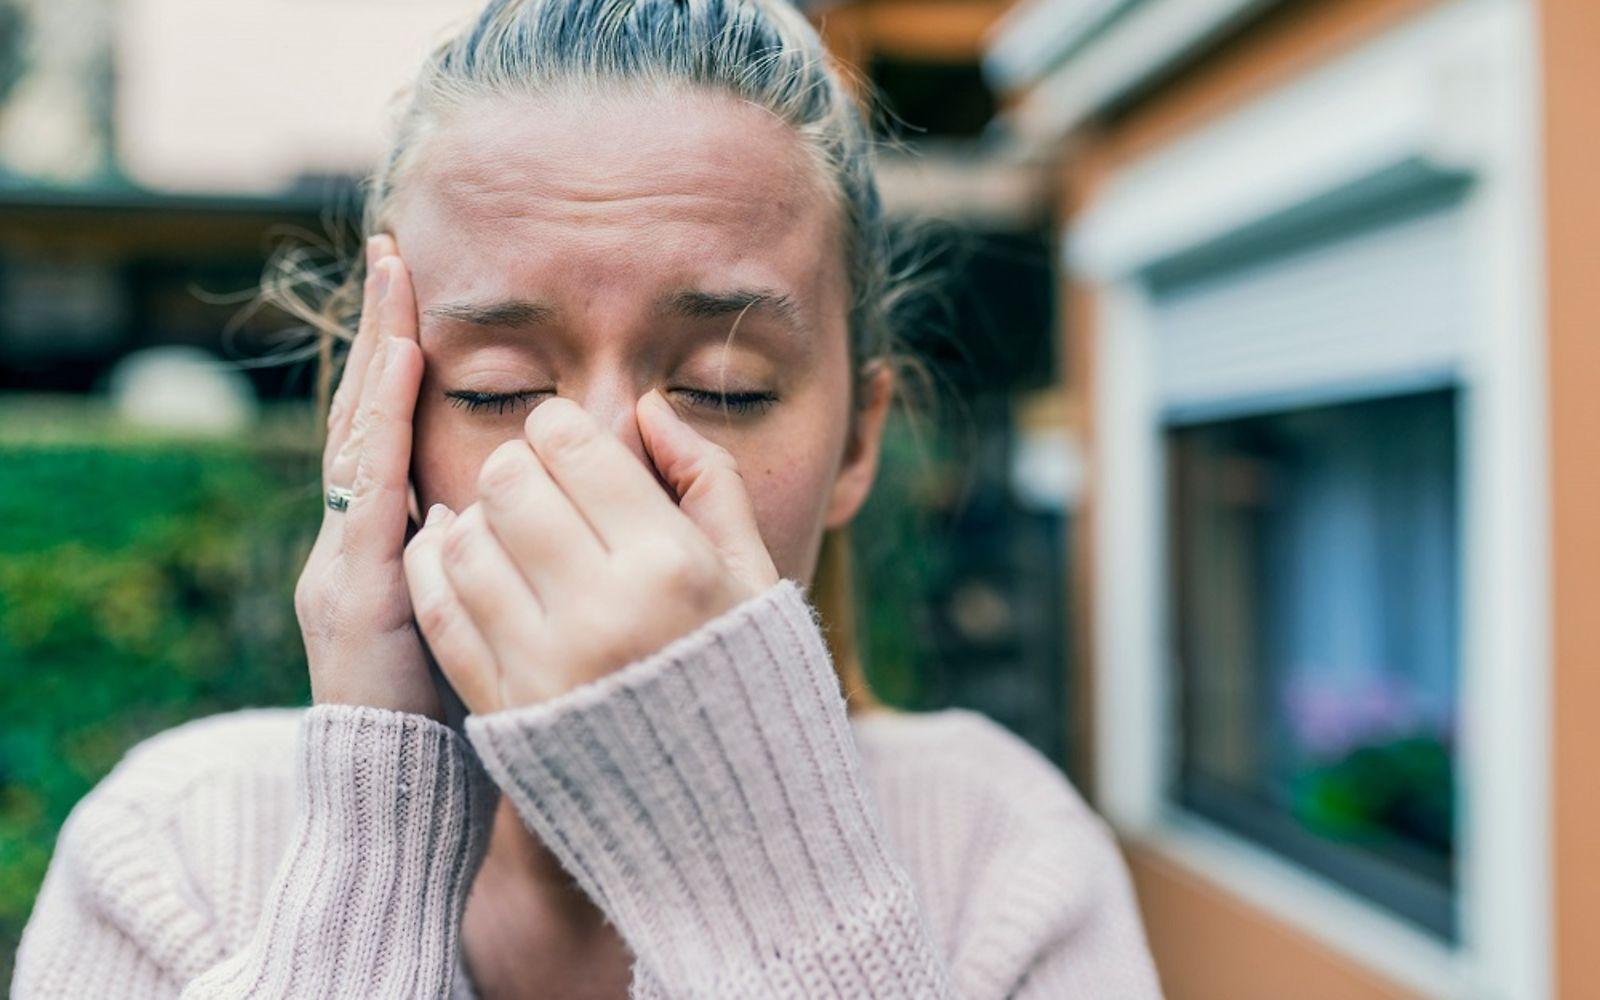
<point>597,249</point>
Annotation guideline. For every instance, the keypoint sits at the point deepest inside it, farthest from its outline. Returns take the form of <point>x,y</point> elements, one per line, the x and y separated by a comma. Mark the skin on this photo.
<point>546,249</point>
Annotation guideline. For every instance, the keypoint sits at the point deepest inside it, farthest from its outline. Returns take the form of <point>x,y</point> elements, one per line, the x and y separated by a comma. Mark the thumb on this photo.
<point>705,480</point>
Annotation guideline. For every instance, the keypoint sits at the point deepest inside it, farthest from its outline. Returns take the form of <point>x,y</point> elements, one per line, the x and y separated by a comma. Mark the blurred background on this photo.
<point>1259,496</point>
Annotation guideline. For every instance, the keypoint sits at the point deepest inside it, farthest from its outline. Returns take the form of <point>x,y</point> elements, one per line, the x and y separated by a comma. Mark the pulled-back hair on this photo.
<point>764,52</point>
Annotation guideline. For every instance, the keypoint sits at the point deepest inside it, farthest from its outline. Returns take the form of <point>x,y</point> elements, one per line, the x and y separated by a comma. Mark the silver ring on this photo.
<point>339,497</point>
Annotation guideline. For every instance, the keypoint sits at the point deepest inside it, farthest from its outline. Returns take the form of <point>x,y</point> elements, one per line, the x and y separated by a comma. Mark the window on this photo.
<point>1315,575</point>
<point>1313,564</point>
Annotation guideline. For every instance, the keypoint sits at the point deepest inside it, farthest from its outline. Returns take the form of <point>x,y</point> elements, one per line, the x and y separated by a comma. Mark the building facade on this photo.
<point>1324,320</point>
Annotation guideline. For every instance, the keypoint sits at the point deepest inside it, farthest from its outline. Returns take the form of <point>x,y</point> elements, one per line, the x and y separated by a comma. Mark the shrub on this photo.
<point>143,582</point>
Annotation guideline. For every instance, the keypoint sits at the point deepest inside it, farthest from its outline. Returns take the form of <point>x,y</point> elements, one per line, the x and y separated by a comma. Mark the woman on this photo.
<point>623,335</point>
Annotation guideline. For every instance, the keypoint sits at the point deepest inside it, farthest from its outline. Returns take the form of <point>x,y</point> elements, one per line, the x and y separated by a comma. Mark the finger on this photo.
<point>358,358</point>
<point>463,656</point>
<point>397,317</point>
<point>379,509</point>
<point>341,468</point>
<point>710,489</point>
<point>614,491</point>
<point>499,601</point>
<point>543,533</point>
<point>397,313</point>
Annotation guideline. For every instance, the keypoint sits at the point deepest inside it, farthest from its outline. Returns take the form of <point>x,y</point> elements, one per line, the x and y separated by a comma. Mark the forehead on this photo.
<point>621,195</point>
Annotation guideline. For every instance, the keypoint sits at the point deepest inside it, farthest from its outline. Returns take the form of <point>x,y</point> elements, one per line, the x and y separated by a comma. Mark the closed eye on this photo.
<point>500,402</point>
<point>737,402</point>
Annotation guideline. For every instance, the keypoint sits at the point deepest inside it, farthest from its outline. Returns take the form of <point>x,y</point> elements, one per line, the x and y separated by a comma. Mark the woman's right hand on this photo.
<point>362,642</point>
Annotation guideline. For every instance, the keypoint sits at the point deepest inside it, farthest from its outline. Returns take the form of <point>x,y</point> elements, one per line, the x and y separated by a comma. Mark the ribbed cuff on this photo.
<point>710,798</point>
<point>394,815</point>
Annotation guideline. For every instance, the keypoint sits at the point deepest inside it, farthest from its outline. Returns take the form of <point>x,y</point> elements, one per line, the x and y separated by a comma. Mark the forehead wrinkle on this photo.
<point>505,149</point>
<point>566,197</point>
<point>501,195</point>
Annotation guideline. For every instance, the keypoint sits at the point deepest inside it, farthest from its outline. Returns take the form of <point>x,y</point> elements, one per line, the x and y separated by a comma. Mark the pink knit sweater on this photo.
<point>746,838</point>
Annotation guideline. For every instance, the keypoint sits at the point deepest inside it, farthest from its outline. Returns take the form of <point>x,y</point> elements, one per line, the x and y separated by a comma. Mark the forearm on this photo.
<point>710,799</point>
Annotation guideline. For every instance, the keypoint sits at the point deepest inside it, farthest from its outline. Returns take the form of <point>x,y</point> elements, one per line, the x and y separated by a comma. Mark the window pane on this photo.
<point>1316,584</point>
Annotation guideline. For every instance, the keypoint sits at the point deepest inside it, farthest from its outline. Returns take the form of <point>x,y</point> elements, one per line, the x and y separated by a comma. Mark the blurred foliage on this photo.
<point>144,581</point>
<point>1398,790</point>
<point>901,559</point>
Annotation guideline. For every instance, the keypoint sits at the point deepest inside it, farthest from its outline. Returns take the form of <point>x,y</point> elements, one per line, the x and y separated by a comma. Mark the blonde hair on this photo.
<point>761,51</point>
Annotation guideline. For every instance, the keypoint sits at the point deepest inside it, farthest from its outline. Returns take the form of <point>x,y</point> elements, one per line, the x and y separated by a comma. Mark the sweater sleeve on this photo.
<point>392,817</point>
<point>710,799</point>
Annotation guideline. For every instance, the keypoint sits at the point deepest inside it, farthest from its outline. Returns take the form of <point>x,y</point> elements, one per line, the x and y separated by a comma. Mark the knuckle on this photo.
<point>318,610</point>
<point>503,469</point>
<point>722,466</point>
<point>679,568</point>
<point>456,546</point>
<point>728,474</point>
<point>338,409</point>
<point>414,551</point>
<point>366,483</point>
<point>372,413</point>
<point>435,615</point>
<point>355,441</point>
<point>355,433</point>
<point>373,481</point>
<point>559,427</point>
<point>721,458</point>
<point>308,600</point>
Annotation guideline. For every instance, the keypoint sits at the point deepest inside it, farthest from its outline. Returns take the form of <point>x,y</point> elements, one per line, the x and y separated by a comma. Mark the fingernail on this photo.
<point>372,251</point>
<point>434,513</point>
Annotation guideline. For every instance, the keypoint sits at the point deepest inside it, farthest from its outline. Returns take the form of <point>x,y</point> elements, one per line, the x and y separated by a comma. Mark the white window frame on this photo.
<point>1454,90</point>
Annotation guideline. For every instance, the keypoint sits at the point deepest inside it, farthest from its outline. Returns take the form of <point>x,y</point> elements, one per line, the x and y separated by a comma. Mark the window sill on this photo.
<point>1325,911</point>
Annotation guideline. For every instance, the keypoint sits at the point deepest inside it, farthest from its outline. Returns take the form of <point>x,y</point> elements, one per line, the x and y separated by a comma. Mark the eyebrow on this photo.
<point>697,304</point>
<point>691,303</point>
<point>506,313</point>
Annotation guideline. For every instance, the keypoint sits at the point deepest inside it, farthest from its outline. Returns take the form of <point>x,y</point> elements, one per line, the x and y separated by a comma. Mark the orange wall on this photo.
<point>1571,33</point>
<point>945,31</point>
<point>1212,946</point>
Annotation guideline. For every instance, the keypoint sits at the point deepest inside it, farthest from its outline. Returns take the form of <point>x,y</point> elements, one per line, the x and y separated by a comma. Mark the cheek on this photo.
<point>446,460</point>
<point>789,478</point>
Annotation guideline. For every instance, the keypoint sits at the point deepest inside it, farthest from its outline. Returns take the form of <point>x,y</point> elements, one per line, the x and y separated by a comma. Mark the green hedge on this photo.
<point>143,582</point>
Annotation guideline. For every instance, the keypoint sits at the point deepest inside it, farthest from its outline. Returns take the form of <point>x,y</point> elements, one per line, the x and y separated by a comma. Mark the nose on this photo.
<point>612,406</point>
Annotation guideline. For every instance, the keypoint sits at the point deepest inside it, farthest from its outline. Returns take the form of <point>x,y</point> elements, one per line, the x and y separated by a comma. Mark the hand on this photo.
<point>351,599</point>
<point>575,562</point>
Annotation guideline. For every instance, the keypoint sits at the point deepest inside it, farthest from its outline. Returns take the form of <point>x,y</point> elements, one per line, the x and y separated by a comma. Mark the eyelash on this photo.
<point>474,401</point>
<point>500,402</point>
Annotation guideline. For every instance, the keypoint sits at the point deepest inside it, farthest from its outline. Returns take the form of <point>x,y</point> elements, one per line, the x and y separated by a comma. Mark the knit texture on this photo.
<point>746,837</point>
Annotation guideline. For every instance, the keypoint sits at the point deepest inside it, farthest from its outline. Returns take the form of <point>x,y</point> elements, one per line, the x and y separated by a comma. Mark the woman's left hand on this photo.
<point>575,562</point>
